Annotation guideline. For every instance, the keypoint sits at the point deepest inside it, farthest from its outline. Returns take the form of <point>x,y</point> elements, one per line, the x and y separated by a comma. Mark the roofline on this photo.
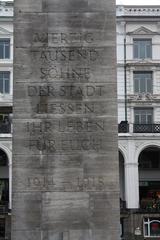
<point>138,6</point>
<point>6,3</point>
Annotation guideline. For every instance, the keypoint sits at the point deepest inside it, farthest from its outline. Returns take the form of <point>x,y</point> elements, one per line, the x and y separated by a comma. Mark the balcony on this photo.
<point>5,127</point>
<point>123,127</point>
<point>146,128</point>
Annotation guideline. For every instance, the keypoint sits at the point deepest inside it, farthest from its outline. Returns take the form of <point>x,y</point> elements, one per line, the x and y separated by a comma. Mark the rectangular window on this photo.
<point>143,82</point>
<point>4,82</point>
<point>143,115</point>
<point>142,48</point>
<point>4,48</point>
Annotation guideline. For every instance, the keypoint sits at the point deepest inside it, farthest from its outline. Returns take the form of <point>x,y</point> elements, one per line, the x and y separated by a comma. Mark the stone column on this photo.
<point>132,185</point>
<point>65,167</point>
<point>10,185</point>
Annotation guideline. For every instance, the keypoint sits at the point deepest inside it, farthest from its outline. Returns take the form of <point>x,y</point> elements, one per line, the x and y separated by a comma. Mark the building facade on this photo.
<point>138,78</point>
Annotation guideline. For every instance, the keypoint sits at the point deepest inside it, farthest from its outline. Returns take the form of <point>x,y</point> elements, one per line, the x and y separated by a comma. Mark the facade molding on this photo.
<point>131,164</point>
<point>138,11</point>
<point>8,153</point>
<point>4,31</point>
<point>123,151</point>
<point>142,31</point>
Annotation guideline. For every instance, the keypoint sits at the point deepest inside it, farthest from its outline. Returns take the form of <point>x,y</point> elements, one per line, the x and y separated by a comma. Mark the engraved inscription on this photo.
<point>66,144</point>
<point>64,38</point>
<point>65,108</point>
<point>41,181</point>
<point>66,62</point>
<point>78,184</point>
<point>53,72</point>
<point>65,125</point>
<point>66,91</point>
<point>64,54</point>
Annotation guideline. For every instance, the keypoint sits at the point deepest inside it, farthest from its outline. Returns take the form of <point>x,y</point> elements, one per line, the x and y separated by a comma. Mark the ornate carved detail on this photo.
<point>124,146</point>
<point>142,31</point>
<point>138,11</point>
<point>137,144</point>
<point>143,97</point>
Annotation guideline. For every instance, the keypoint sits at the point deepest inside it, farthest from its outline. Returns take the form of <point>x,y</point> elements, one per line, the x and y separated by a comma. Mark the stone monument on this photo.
<point>65,161</point>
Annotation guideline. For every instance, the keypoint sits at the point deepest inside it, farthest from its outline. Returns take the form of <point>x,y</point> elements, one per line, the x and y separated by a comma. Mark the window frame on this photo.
<point>4,80</point>
<point>4,46</point>
<point>139,48</point>
<point>148,224</point>
<point>146,82</point>
<point>143,109</point>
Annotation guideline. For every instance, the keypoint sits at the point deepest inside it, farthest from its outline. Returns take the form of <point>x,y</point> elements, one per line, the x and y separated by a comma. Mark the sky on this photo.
<point>139,2</point>
<point>132,2</point>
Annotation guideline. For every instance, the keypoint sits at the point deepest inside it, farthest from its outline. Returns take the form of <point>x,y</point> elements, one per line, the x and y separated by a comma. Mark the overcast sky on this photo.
<point>132,2</point>
<point>139,2</point>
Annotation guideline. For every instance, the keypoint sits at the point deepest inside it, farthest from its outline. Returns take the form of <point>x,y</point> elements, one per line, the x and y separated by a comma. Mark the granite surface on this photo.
<point>65,154</point>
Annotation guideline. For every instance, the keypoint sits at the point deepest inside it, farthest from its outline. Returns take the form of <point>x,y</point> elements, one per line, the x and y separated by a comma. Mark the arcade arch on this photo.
<point>149,177</point>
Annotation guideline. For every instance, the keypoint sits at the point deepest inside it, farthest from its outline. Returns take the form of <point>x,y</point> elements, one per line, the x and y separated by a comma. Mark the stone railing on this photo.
<point>5,127</point>
<point>146,128</point>
<point>138,11</point>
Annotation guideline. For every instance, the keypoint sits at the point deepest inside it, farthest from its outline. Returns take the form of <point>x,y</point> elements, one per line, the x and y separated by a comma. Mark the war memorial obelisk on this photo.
<point>65,161</point>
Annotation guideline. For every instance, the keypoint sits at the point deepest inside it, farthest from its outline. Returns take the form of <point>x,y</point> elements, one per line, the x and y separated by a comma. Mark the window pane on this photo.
<point>136,85</point>
<point>7,51</point>
<point>135,53</point>
<point>1,86</point>
<point>143,119</point>
<point>142,85</point>
<point>143,116</point>
<point>146,230</point>
<point>142,48</point>
<point>4,82</point>
<point>1,51</point>
<point>155,229</point>
<point>1,82</point>
<point>143,82</point>
<point>4,48</point>
<point>149,86</point>
<point>142,51</point>
<point>137,119</point>
<point>7,86</point>
<point>149,119</point>
<point>148,51</point>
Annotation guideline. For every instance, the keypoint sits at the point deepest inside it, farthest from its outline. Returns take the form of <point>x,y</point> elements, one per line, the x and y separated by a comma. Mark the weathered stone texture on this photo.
<point>65,161</point>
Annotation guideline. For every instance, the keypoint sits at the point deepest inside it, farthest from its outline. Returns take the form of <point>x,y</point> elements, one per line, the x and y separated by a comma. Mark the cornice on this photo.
<point>138,11</point>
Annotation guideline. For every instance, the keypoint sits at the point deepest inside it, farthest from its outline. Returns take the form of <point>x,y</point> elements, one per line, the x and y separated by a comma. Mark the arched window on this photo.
<point>151,227</point>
